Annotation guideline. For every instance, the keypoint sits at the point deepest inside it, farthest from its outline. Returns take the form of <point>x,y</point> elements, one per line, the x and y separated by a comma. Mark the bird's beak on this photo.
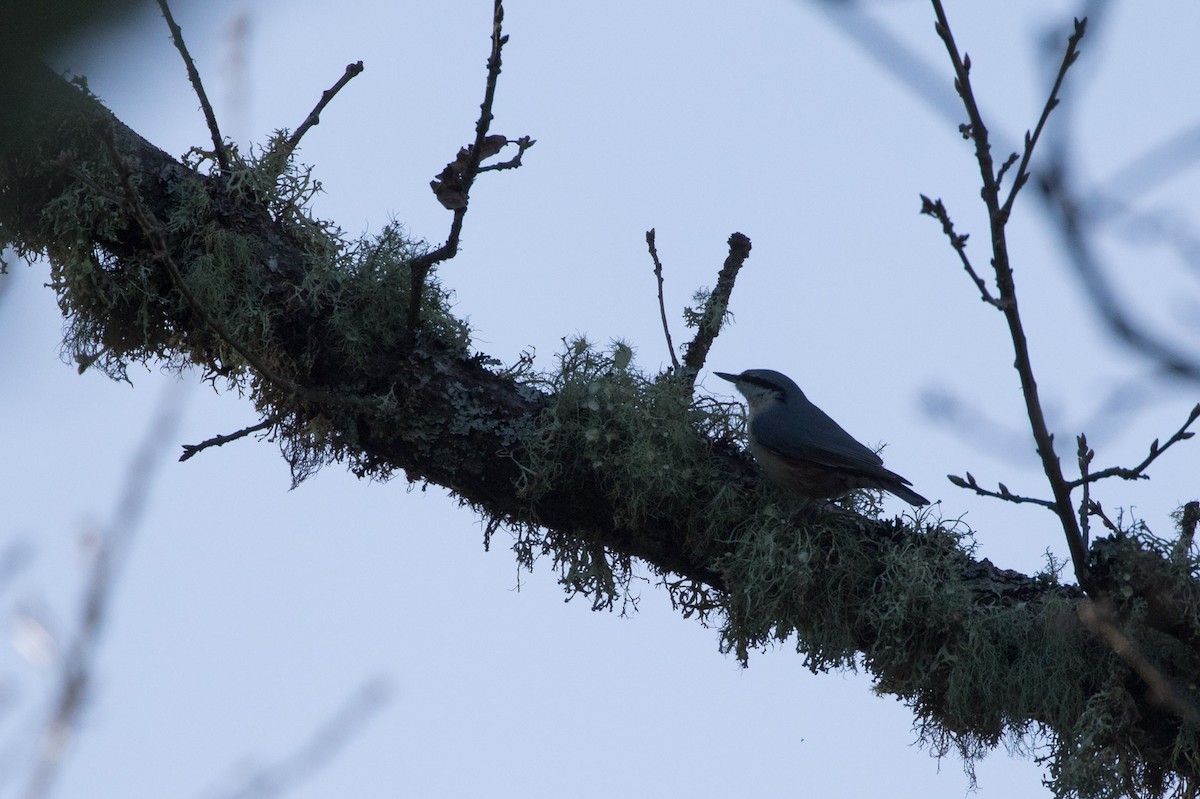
<point>726,376</point>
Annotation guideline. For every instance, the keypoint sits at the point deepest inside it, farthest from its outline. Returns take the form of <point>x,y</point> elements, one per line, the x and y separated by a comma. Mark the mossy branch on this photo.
<point>716,307</point>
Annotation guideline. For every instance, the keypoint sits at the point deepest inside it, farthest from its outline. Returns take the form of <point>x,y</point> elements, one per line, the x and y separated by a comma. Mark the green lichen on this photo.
<point>122,307</point>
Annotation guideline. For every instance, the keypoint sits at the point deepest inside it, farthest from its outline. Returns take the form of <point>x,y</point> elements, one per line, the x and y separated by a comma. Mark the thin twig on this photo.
<point>218,441</point>
<point>1085,455</point>
<point>976,130</point>
<point>1138,472</point>
<point>1099,618</point>
<point>1006,287</point>
<point>715,309</point>
<point>937,210</point>
<point>662,306</point>
<point>1094,508</point>
<point>1004,494</point>
<point>219,151</point>
<point>1069,58</point>
<point>463,175</point>
<point>314,116</point>
<point>1008,162</point>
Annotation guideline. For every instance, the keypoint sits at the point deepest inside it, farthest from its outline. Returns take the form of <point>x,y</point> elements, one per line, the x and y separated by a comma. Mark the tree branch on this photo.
<point>161,253</point>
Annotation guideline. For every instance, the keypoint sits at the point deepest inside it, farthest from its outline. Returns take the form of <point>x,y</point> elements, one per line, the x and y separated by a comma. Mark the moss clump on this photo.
<point>644,440</point>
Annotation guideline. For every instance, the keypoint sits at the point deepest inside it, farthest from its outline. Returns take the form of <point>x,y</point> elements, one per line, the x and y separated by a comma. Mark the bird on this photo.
<point>803,450</point>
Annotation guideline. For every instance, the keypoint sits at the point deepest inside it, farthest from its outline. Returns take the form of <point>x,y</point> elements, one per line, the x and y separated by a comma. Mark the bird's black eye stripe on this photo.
<point>763,383</point>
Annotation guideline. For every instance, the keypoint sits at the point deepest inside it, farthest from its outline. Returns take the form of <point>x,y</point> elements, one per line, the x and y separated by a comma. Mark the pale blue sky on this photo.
<point>247,614</point>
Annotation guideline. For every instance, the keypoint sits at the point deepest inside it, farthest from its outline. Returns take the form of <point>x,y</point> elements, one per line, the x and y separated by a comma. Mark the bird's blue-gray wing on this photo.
<point>809,434</point>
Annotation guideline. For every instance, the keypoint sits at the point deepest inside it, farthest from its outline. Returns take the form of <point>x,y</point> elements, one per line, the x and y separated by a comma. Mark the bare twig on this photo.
<point>1004,494</point>
<point>1099,618</point>
<point>1008,162</point>
<point>219,151</point>
<point>1069,57</point>
<point>1094,508</point>
<point>662,306</point>
<point>218,441</point>
<point>314,116</point>
<point>998,215</point>
<point>976,131</point>
<point>1138,472</point>
<point>937,210</point>
<point>713,315</point>
<point>1085,455</point>
<point>453,185</point>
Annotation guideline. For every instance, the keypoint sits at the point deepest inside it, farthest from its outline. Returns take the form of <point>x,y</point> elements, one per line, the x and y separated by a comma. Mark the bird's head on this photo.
<point>763,388</point>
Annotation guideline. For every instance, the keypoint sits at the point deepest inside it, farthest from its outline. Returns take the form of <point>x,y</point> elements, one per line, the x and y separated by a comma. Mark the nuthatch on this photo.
<point>802,449</point>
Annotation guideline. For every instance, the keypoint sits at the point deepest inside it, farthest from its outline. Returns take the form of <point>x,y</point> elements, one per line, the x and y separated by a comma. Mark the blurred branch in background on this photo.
<point>14,557</point>
<point>325,743</point>
<point>107,549</point>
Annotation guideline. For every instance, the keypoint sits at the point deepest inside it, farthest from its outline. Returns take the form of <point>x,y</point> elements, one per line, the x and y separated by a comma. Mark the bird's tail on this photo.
<point>907,494</point>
